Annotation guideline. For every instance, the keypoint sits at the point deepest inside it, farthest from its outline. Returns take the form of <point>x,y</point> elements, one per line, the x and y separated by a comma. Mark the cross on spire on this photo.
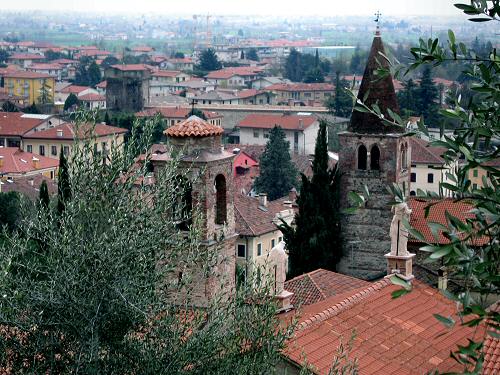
<point>377,20</point>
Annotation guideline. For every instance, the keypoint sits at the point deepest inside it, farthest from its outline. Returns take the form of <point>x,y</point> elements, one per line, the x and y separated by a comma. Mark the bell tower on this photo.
<point>374,155</point>
<point>197,145</point>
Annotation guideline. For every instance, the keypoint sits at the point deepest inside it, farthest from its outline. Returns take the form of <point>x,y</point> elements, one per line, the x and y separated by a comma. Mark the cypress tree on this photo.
<point>277,172</point>
<point>427,98</point>
<point>43,196</point>
<point>63,184</point>
<point>314,240</point>
<point>316,59</point>
<point>407,98</point>
<point>107,120</point>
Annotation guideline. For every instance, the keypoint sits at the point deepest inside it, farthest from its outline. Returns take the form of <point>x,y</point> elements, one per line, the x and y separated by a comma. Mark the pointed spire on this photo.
<point>374,90</point>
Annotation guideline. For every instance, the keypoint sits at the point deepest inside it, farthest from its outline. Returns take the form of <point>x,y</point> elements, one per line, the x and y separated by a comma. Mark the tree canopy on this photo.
<point>313,241</point>
<point>209,61</point>
<point>277,173</point>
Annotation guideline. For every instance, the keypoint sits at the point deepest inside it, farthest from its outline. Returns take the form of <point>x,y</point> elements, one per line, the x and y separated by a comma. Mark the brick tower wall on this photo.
<point>366,233</point>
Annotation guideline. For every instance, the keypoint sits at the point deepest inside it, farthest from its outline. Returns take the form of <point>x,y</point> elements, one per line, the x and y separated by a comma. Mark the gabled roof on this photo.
<point>16,161</point>
<point>29,186</point>
<point>234,71</point>
<point>91,97</point>
<point>251,219</point>
<point>14,124</point>
<point>45,66</point>
<point>288,122</point>
<point>25,56</point>
<point>393,336</point>
<point>26,75</point>
<point>130,67</point>
<point>102,84</point>
<point>67,131</point>
<point>300,87</point>
<point>243,94</point>
<point>423,153</point>
<point>74,89</point>
<point>193,126</point>
<point>377,91</point>
<point>319,285</point>
<point>167,73</point>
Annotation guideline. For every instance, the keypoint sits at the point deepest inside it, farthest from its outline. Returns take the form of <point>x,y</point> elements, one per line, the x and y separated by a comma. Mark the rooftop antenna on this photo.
<point>377,20</point>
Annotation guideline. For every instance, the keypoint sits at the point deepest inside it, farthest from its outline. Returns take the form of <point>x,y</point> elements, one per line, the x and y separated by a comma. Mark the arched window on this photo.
<point>220,203</point>
<point>375,158</point>
<point>412,193</point>
<point>183,204</point>
<point>362,156</point>
<point>404,156</point>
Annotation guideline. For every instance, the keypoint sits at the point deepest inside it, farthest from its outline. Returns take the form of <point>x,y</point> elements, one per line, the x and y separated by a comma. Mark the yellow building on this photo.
<point>34,87</point>
<point>50,141</point>
<point>476,175</point>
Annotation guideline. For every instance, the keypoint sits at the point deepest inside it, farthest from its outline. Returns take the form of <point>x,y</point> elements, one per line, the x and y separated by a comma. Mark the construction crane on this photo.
<point>208,39</point>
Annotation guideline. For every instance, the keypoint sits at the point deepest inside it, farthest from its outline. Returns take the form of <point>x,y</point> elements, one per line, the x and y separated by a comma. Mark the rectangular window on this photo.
<point>280,239</point>
<point>51,175</point>
<point>53,150</point>
<point>241,251</point>
<point>41,149</point>
<point>266,134</point>
<point>29,148</point>
<point>256,134</point>
<point>430,178</point>
<point>474,186</point>
<point>273,242</point>
<point>66,150</point>
<point>475,172</point>
<point>413,177</point>
<point>259,249</point>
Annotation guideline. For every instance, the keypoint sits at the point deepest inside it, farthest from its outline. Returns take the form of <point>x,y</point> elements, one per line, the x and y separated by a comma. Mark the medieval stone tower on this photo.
<point>208,168</point>
<point>374,155</point>
<point>127,87</point>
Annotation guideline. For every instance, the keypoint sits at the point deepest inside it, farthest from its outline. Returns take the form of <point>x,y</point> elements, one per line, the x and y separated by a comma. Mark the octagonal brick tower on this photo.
<point>375,155</point>
<point>198,145</point>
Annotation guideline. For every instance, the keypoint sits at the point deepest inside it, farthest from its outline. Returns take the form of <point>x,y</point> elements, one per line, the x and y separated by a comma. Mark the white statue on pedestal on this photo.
<point>278,261</point>
<point>398,232</point>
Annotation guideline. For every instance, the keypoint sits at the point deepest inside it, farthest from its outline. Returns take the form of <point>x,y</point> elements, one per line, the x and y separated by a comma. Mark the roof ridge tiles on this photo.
<point>344,304</point>
<point>316,285</point>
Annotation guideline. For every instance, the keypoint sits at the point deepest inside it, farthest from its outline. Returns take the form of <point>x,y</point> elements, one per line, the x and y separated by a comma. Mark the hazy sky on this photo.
<point>261,7</point>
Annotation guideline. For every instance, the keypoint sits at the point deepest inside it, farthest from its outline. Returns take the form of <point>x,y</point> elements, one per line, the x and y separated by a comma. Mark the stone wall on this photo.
<point>366,232</point>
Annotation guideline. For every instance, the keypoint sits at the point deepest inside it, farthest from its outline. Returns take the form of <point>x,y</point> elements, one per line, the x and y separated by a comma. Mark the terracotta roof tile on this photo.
<point>14,124</point>
<point>174,112</point>
<point>300,87</point>
<point>25,74</point>
<point>423,153</point>
<point>67,131</point>
<point>90,97</point>
<point>319,285</point>
<point>386,341</point>
<point>130,67</point>
<point>289,122</point>
<point>74,89</point>
<point>437,214</point>
<point>16,161</point>
<point>194,127</point>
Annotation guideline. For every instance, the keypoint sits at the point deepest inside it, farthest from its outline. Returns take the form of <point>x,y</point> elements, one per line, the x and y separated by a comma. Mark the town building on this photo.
<point>219,97</point>
<point>372,155</point>
<point>234,77</point>
<point>300,130</point>
<point>15,125</point>
<point>481,172</point>
<point>253,96</point>
<point>50,141</point>
<point>33,87</point>
<point>257,223</point>
<point>163,82</point>
<point>308,94</point>
<point>127,87</point>
<point>52,69</point>
<point>24,60</point>
<point>93,101</point>
<point>207,170</point>
<point>429,169</point>
<point>16,163</point>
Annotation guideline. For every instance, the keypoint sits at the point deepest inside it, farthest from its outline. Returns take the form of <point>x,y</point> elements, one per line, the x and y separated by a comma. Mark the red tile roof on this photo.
<point>300,87</point>
<point>166,73</point>
<point>26,56</point>
<point>437,214</point>
<point>16,161</point>
<point>251,219</point>
<point>142,49</point>
<point>248,93</point>
<point>423,153</point>
<point>30,185</point>
<point>290,122</point>
<point>45,66</point>
<point>102,84</point>
<point>229,72</point>
<point>491,365</point>
<point>14,124</point>
<point>92,98</point>
<point>194,127</point>
<point>24,74</point>
<point>319,285</point>
<point>393,336</point>
<point>64,61</point>
<point>68,131</point>
<point>130,67</point>
<point>174,112</point>
<point>74,89</point>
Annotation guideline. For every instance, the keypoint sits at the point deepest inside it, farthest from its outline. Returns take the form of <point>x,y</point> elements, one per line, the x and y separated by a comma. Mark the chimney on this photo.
<point>442,278</point>
<point>59,132</point>
<point>36,162</point>
<point>263,199</point>
<point>1,161</point>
